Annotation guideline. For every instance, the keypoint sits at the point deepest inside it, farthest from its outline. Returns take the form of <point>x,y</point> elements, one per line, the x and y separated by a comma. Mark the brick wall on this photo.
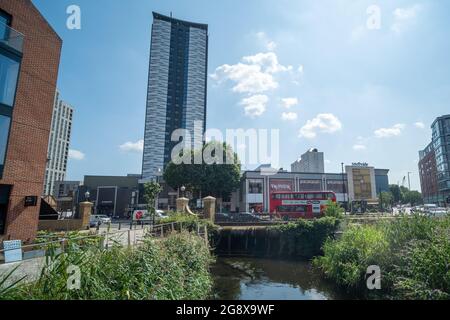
<point>27,151</point>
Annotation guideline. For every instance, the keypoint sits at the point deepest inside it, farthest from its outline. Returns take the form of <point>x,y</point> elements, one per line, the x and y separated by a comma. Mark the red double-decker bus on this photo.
<point>296,205</point>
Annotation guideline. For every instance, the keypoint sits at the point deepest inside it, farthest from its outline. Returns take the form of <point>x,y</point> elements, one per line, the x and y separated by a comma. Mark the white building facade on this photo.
<point>59,143</point>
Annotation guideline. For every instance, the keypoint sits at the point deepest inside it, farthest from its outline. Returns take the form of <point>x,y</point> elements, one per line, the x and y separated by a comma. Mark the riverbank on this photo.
<point>411,253</point>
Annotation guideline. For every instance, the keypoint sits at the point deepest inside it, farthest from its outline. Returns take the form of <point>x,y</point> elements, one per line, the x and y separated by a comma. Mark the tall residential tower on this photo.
<point>58,145</point>
<point>176,89</point>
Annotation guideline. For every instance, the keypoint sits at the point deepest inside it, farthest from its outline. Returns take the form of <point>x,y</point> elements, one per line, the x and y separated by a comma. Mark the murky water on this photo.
<point>260,279</point>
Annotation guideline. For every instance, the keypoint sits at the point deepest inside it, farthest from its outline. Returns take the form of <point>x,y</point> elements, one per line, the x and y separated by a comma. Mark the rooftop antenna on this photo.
<point>171,14</point>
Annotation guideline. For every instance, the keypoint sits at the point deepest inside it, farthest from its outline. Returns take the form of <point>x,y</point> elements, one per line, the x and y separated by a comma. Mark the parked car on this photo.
<point>98,219</point>
<point>161,214</point>
<point>245,217</point>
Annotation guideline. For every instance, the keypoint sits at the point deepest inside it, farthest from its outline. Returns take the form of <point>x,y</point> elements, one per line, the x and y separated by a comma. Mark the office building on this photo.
<point>58,146</point>
<point>29,61</point>
<point>434,164</point>
<point>311,161</point>
<point>114,196</point>
<point>176,89</point>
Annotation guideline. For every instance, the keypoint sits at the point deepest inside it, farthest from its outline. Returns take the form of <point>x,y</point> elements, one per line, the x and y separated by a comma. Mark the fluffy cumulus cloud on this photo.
<point>130,146</point>
<point>403,17</point>
<point>393,131</point>
<point>255,106</point>
<point>289,102</point>
<point>419,125</point>
<point>76,155</point>
<point>255,74</point>
<point>289,116</point>
<point>322,123</point>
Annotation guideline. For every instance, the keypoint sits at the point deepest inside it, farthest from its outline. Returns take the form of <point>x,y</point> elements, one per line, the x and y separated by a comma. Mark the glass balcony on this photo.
<point>11,37</point>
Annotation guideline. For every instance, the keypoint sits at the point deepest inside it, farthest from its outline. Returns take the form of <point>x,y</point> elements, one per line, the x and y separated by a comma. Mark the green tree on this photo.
<point>213,175</point>
<point>396,193</point>
<point>151,191</point>
<point>386,199</point>
<point>412,197</point>
<point>334,209</point>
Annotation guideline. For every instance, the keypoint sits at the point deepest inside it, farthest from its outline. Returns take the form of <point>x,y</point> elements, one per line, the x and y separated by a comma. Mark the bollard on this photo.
<point>129,238</point>
<point>120,225</point>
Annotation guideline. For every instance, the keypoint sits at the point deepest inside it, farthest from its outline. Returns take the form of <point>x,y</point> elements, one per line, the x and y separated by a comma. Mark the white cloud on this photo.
<point>419,125</point>
<point>403,17</point>
<point>269,44</point>
<point>394,131</point>
<point>267,61</point>
<point>289,116</point>
<point>76,155</point>
<point>289,102</point>
<point>255,74</point>
<point>326,123</point>
<point>255,106</point>
<point>359,147</point>
<point>129,146</point>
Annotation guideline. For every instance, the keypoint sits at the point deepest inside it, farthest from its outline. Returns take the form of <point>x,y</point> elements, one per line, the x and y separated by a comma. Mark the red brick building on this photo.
<point>428,175</point>
<point>29,61</point>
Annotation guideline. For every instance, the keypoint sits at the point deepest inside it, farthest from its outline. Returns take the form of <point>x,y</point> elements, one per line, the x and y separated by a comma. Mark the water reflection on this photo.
<point>259,279</point>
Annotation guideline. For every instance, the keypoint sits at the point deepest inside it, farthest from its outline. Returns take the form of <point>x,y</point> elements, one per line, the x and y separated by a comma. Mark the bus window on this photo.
<point>310,196</point>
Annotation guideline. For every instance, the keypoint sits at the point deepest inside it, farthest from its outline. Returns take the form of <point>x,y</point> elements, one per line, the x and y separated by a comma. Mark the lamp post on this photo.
<point>87,194</point>
<point>183,189</point>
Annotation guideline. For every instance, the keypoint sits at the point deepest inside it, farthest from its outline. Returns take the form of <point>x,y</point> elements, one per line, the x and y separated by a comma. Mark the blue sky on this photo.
<point>314,71</point>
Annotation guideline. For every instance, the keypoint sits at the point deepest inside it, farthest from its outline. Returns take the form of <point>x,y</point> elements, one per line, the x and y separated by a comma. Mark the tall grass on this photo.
<point>176,268</point>
<point>412,252</point>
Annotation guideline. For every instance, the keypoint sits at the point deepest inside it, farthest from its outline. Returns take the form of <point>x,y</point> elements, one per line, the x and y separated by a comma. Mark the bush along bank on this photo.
<point>173,268</point>
<point>302,239</point>
<point>413,254</point>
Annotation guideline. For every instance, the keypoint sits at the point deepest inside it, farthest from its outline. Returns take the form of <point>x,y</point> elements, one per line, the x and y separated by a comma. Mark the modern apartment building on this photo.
<point>311,161</point>
<point>58,146</point>
<point>29,61</point>
<point>176,89</point>
<point>434,164</point>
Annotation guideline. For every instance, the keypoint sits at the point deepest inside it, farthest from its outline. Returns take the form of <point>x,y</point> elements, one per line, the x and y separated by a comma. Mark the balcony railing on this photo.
<point>10,37</point>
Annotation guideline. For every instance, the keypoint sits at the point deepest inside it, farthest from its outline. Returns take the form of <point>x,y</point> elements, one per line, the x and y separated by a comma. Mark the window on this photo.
<point>4,132</point>
<point>5,21</point>
<point>9,72</point>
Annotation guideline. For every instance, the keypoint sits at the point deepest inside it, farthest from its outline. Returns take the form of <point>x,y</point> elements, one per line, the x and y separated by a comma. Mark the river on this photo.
<point>266,279</point>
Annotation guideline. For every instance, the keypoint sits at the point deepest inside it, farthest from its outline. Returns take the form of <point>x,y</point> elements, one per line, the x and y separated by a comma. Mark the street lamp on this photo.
<point>183,189</point>
<point>87,195</point>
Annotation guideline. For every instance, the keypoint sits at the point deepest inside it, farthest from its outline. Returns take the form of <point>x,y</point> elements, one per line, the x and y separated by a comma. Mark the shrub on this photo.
<point>347,259</point>
<point>412,252</point>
